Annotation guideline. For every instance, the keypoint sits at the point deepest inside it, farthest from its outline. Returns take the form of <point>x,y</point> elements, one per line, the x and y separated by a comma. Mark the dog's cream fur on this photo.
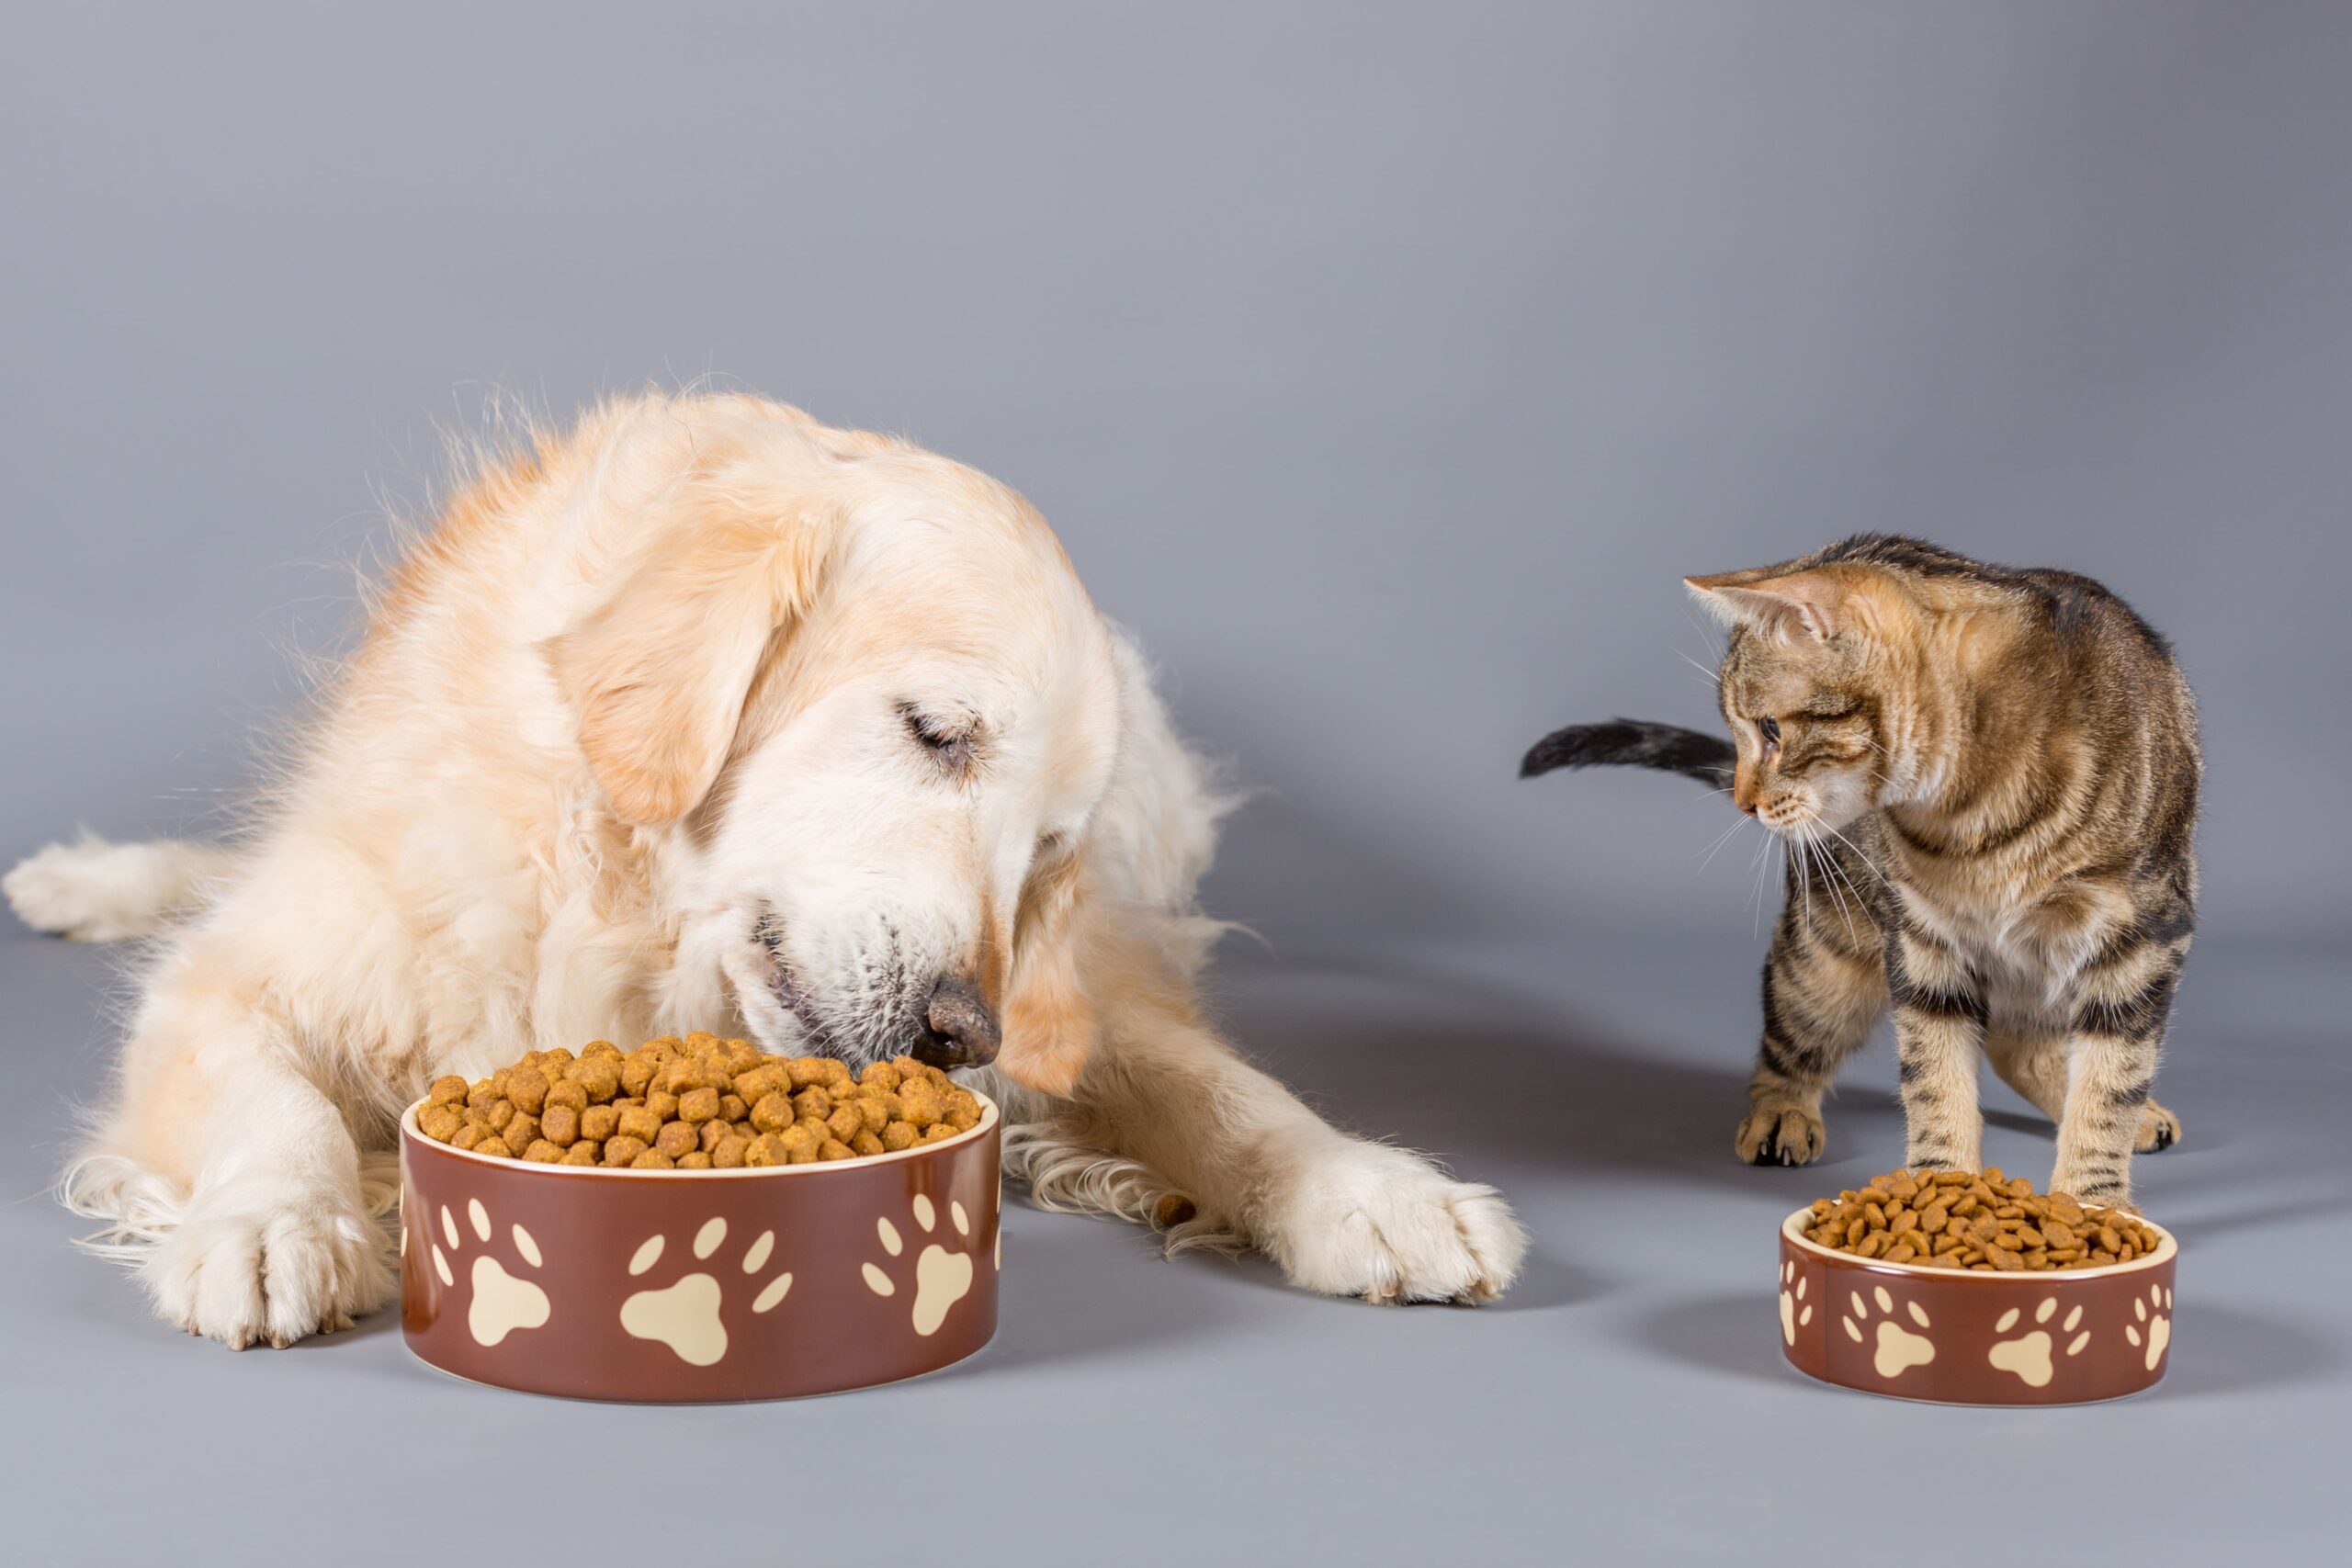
<point>707,716</point>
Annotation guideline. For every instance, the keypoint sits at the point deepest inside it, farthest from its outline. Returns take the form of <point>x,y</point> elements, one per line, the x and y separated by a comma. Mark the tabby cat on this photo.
<point>1987,779</point>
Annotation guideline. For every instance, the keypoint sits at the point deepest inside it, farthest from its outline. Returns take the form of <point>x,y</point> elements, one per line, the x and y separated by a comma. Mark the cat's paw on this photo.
<point>2159,1129</point>
<point>1780,1132</point>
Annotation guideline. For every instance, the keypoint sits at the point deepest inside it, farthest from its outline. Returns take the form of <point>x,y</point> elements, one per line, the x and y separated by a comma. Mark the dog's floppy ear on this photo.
<point>1048,1023</point>
<point>658,667</point>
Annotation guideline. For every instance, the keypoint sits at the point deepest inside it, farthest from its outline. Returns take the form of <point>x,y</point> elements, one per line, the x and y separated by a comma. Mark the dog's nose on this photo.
<point>963,1031</point>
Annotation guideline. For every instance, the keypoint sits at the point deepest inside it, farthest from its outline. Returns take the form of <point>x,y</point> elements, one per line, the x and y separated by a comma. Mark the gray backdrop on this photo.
<point>1385,367</point>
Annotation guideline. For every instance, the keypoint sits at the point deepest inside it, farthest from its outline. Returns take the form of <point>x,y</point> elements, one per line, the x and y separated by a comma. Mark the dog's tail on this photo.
<point>94,891</point>
<point>1628,742</point>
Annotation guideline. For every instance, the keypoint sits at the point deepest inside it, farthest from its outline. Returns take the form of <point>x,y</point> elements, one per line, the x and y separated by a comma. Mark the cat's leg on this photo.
<point>2031,1059</point>
<point>1824,987</point>
<point>1939,1018</point>
<point>2121,1004</point>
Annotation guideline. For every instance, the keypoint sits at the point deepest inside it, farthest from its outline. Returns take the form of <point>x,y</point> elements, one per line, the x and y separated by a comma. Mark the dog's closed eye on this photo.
<point>949,743</point>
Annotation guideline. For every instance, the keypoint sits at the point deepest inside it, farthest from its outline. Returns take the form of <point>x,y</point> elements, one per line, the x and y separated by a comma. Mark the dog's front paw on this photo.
<point>274,1273</point>
<point>1364,1219</point>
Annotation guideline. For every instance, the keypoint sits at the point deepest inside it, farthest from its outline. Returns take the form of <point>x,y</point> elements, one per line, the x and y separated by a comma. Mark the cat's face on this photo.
<point>1805,685</point>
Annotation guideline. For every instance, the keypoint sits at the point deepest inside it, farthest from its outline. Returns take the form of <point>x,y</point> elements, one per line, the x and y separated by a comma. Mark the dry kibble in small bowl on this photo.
<point>1976,1220</point>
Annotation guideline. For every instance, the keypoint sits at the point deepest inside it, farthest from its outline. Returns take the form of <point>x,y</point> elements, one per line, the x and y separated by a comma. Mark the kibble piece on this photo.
<point>694,1159</point>
<point>542,1152</point>
<point>521,1131</point>
<point>867,1142</point>
<point>727,1154</point>
<point>450,1089</point>
<point>833,1148</point>
<point>494,1147</point>
<point>638,1121</point>
<point>899,1136</point>
<point>440,1122</point>
<point>846,1121</point>
<point>767,1149</point>
<point>921,1104</point>
<point>584,1153</point>
<point>637,1071</point>
<point>677,1139</point>
<point>812,1103</point>
<point>569,1094</point>
<point>773,1113</point>
<point>598,1077</point>
<point>527,1087</point>
<point>731,1108</point>
<point>653,1159</point>
<point>560,1126</point>
<point>622,1149</point>
<point>698,1105</point>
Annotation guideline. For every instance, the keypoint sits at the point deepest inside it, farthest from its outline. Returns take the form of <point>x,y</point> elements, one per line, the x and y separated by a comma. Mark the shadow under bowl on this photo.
<point>2056,1336</point>
<point>688,1286</point>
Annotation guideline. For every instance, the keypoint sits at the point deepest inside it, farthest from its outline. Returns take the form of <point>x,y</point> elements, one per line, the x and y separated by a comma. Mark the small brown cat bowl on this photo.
<point>680,1286</point>
<point>2061,1336</point>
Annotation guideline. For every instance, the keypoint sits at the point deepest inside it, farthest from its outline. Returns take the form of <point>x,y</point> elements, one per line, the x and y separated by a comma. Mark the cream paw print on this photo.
<point>502,1302</point>
<point>2159,1323</point>
<point>2029,1355</point>
<point>943,1276</point>
<point>1898,1349</point>
<point>1795,1311</point>
<point>685,1315</point>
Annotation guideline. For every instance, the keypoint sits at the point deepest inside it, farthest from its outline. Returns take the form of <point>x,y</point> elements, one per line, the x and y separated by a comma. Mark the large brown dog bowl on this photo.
<point>678,1286</point>
<point>2064,1336</point>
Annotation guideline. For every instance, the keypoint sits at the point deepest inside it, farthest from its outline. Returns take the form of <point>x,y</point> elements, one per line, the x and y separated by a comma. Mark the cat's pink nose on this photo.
<point>1749,809</point>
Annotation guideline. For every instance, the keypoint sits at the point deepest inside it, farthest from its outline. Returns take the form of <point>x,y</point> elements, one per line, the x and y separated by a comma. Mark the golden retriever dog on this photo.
<point>705,715</point>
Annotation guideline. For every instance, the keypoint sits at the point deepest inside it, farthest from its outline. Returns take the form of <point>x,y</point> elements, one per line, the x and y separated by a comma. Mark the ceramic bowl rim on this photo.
<point>2167,1250</point>
<point>412,1132</point>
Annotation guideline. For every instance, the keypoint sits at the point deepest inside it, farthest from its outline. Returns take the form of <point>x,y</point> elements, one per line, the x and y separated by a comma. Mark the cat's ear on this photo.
<point>1805,603</point>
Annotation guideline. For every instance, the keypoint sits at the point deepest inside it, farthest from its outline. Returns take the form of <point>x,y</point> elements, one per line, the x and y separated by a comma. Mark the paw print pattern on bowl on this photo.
<point>2159,1323</point>
<point>1899,1349</point>
<point>2028,1357</point>
<point>1795,1311</point>
<point>943,1276</point>
<point>685,1315</point>
<point>501,1303</point>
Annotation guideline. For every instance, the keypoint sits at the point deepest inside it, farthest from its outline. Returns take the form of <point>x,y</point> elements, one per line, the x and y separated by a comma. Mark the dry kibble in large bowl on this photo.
<point>695,1103</point>
<point>1976,1220</point>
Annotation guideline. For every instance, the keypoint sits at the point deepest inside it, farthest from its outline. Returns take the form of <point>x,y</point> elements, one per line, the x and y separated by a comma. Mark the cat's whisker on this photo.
<point>1721,840</point>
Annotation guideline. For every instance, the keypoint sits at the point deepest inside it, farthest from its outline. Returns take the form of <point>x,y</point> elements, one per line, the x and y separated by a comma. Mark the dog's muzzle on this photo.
<point>962,1031</point>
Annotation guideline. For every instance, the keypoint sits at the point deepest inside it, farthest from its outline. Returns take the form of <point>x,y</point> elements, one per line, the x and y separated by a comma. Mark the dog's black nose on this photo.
<point>963,1031</point>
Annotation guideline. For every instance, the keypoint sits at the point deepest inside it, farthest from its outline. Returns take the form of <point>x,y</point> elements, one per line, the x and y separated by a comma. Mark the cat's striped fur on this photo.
<point>1988,778</point>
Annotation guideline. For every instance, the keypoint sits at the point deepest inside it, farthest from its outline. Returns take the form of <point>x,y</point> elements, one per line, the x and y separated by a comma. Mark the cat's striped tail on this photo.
<point>1628,742</point>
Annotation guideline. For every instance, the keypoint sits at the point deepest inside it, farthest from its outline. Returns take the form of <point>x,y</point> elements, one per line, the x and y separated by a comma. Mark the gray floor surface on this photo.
<point>1626,1404</point>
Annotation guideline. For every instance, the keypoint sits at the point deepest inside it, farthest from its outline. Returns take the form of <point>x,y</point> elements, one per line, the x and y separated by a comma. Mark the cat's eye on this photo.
<point>1770,730</point>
